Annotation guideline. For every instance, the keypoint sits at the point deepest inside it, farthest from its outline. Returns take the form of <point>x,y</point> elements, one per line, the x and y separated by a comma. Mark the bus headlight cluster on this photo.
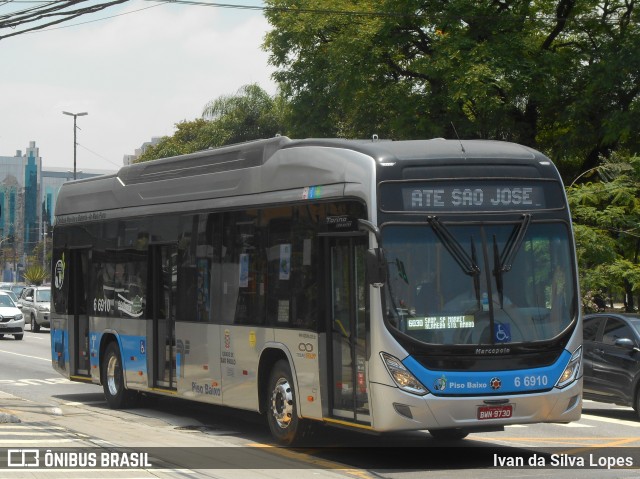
<point>572,371</point>
<point>401,375</point>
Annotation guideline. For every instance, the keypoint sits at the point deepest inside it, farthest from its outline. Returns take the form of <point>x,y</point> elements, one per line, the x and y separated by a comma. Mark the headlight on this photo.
<point>401,375</point>
<point>18,317</point>
<point>43,308</point>
<point>572,371</point>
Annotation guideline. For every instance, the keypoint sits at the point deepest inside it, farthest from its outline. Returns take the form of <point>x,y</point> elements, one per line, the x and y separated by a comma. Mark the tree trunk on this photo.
<point>628,303</point>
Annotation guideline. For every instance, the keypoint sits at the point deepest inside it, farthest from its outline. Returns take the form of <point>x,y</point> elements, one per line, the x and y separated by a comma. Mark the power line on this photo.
<point>322,11</point>
<point>99,155</point>
<point>96,20</point>
<point>51,13</point>
<point>48,9</point>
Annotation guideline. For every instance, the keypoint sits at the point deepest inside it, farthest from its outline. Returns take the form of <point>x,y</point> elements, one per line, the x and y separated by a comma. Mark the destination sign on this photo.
<point>469,195</point>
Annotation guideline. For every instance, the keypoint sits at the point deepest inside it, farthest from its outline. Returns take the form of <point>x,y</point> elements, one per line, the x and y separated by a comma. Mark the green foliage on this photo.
<point>250,114</point>
<point>606,215</point>
<point>190,136</point>
<point>558,75</point>
<point>35,274</point>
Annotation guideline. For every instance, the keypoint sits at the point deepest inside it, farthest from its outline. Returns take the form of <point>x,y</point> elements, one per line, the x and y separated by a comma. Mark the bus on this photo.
<point>375,285</point>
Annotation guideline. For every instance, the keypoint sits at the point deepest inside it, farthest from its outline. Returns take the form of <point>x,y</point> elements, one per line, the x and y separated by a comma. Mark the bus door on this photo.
<point>348,328</point>
<point>79,327</point>
<point>163,282</point>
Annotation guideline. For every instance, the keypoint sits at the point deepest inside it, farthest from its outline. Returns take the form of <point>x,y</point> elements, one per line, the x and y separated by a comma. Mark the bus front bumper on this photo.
<point>396,410</point>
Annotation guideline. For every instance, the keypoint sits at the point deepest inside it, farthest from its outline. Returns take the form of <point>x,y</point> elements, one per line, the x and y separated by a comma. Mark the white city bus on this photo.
<point>380,285</point>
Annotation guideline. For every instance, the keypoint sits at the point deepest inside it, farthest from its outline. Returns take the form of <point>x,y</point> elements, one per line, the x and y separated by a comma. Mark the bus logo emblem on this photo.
<point>496,383</point>
<point>440,384</point>
<point>59,273</point>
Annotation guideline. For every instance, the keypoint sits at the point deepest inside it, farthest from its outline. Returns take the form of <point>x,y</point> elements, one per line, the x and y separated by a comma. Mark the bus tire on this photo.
<point>285,425</point>
<point>453,434</point>
<point>117,396</point>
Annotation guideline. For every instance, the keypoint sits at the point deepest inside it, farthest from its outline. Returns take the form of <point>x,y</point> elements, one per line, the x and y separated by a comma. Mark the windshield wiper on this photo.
<point>455,249</point>
<point>502,263</point>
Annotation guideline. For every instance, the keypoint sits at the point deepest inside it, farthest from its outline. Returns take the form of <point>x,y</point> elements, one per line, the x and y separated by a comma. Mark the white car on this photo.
<point>35,302</point>
<point>11,318</point>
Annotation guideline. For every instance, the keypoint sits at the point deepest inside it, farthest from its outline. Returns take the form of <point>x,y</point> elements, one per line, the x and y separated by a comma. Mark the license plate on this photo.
<point>495,412</point>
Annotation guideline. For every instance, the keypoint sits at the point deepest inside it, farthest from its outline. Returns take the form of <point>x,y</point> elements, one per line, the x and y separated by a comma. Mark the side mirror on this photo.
<point>376,265</point>
<point>624,343</point>
<point>19,306</point>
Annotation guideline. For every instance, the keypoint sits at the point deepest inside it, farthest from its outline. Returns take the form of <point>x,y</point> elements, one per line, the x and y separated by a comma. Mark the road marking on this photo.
<point>39,337</point>
<point>310,459</point>
<point>611,420</point>
<point>31,427</point>
<point>36,382</point>
<point>25,355</point>
<point>46,443</point>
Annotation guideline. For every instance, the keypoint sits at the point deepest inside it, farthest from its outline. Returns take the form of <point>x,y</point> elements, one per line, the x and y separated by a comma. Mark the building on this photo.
<point>28,194</point>
<point>130,159</point>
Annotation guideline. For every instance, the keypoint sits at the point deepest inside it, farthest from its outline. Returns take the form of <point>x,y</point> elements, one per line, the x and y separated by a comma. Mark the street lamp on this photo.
<point>75,143</point>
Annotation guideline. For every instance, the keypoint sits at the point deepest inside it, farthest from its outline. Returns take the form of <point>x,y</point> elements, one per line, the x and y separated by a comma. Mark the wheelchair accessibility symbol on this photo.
<point>502,333</point>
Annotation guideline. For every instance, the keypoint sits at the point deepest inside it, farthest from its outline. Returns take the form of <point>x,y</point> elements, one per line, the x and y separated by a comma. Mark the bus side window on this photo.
<point>279,255</point>
<point>242,269</point>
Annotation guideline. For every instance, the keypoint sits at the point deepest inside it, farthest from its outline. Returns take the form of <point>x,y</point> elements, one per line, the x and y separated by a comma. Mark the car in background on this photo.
<point>611,374</point>
<point>13,296</point>
<point>15,287</point>
<point>35,302</point>
<point>11,318</point>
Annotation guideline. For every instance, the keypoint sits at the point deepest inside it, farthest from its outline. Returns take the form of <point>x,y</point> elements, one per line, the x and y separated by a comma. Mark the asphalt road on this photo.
<point>190,437</point>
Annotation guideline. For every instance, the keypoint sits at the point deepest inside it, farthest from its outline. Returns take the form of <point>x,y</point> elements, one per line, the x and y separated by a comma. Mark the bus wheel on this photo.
<point>282,416</point>
<point>113,379</point>
<point>454,434</point>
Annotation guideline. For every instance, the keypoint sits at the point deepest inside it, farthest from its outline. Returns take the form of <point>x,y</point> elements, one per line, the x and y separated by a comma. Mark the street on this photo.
<point>185,439</point>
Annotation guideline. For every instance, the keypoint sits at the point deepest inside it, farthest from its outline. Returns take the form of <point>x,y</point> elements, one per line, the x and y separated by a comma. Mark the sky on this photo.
<point>136,75</point>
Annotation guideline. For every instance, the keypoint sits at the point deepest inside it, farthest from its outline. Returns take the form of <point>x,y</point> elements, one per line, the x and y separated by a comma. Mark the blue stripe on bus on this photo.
<point>60,349</point>
<point>454,383</point>
<point>130,347</point>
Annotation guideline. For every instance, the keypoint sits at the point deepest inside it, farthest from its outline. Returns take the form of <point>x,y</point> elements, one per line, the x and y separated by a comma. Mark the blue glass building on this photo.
<point>27,202</point>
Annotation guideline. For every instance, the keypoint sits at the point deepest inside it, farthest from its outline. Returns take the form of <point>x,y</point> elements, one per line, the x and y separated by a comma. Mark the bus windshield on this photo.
<point>453,284</point>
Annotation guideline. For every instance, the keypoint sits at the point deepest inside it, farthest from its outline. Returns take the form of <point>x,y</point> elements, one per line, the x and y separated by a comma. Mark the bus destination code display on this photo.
<point>474,198</point>
<point>467,196</point>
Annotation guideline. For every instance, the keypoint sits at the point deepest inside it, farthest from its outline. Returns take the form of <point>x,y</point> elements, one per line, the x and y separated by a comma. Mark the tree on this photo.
<point>558,75</point>
<point>606,215</point>
<point>250,114</point>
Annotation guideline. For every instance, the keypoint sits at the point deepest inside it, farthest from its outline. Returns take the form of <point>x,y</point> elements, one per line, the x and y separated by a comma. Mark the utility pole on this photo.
<point>75,142</point>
